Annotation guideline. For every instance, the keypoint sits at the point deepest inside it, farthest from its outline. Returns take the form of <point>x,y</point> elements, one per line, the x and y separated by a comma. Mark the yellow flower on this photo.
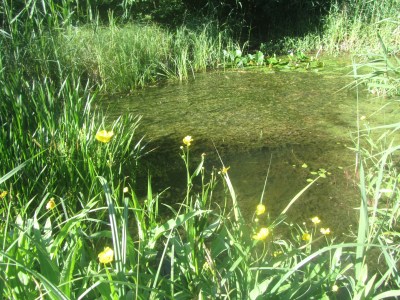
<point>325,231</point>
<point>3,194</point>
<point>125,190</point>
<point>306,237</point>
<point>225,170</point>
<point>335,288</point>
<point>51,204</point>
<point>277,253</point>
<point>260,209</point>
<point>316,220</point>
<point>104,136</point>
<point>262,234</point>
<point>187,140</point>
<point>106,256</point>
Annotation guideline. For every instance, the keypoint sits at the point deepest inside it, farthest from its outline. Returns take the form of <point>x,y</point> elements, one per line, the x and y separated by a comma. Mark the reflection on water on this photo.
<point>250,115</point>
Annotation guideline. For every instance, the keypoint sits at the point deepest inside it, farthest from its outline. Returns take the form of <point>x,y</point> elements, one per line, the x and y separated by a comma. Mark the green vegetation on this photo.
<point>72,226</point>
<point>235,59</point>
<point>121,58</point>
<point>352,26</point>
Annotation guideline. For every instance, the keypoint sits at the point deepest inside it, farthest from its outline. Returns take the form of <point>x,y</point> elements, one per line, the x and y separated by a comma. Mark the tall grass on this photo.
<point>51,72</point>
<point>201,251</point>
<point>125,57</point>
<point>48,113</point>
<point>43,39</point>
<point>60,123</point>
<point>352,26</point>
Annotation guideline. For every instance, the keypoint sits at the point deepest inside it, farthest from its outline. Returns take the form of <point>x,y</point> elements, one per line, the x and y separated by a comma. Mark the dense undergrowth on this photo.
<point>72,226</point>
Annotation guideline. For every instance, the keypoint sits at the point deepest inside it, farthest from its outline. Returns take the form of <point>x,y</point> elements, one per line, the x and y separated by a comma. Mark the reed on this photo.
<point>126,57</point>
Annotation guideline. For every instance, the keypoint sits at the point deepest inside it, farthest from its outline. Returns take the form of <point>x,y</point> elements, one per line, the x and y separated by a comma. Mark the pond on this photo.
<point>299,121</point>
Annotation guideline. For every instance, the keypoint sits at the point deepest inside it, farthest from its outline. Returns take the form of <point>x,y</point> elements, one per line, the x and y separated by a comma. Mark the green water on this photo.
<point>253,117</point>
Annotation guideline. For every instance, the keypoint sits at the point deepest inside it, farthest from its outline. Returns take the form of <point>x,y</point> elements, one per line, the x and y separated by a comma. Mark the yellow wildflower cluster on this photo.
<point>324,231</point>
<point>106,256</point>
<point>3,194</point>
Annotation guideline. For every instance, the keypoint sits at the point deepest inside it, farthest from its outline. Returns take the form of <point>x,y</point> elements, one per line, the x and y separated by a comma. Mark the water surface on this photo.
<point>293,119</point>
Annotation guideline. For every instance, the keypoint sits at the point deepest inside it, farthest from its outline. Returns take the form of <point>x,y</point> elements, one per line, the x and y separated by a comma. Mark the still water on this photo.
<point>293,119</point>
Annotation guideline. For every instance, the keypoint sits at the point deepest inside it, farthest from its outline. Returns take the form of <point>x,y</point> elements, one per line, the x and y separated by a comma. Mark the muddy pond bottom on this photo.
<point>298,123</point>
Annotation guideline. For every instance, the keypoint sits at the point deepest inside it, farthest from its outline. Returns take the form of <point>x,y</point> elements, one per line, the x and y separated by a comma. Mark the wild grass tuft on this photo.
<point>352,27</point>
<point>125,57</point>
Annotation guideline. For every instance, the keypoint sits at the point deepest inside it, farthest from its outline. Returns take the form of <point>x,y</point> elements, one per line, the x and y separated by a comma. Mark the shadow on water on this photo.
<point>296,118</point>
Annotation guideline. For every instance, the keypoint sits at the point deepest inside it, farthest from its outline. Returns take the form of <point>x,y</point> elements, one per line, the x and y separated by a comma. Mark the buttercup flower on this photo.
<point>262,234</point>
<point>225,170</point>
<point>3,194</point>
<point>125,190</point>
<point>260,209</point>
<point>51,204</point>
<point>106,256</point>
<point>335,288</point>
<point>306,237</point>
<point>104,136</point>
<point>316,220</point>
<point>187,140</point>
<point>325,231</point>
